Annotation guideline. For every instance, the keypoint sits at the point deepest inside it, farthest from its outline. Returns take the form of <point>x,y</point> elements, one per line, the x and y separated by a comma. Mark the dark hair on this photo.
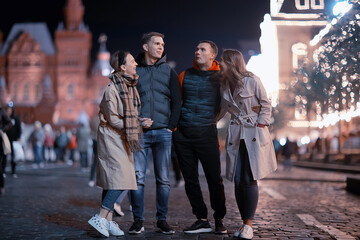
<point>147,36</point>
<point>212,45</point>
<point>117,59</point>
<point>236,66</point>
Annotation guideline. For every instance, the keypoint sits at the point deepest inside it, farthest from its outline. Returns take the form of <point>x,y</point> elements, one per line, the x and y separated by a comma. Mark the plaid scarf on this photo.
<point>131,104</point>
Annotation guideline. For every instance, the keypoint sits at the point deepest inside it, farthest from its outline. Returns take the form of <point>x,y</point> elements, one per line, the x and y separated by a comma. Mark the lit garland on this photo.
<point>331,86</point>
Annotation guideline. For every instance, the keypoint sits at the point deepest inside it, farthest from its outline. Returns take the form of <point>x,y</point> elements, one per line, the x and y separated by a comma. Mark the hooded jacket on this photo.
<point>159,92</point>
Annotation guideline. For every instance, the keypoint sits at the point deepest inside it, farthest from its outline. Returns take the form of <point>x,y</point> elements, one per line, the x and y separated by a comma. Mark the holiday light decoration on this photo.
<point>331,86</point>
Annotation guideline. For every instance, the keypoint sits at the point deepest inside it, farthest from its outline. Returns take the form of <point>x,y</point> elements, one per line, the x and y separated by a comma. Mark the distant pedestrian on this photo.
<point>5,124</point>
<point>287,152</point>
<point>117,140</point>
<point>37,140</point>
<point>49,141</point>
<point>250,154</point>
<point>94,124</point>
<point>61,141</point>
<point>72,146</point>
<point>14,134</point>
<point>82,141</point>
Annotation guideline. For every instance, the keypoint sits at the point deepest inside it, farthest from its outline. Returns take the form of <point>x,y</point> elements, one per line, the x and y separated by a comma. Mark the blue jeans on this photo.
<point>38,154</point>
<point>109,197</point>
<point>159,141</point>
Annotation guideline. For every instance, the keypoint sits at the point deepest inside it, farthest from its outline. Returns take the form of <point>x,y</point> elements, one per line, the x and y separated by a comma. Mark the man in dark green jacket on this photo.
<point>196,138</point>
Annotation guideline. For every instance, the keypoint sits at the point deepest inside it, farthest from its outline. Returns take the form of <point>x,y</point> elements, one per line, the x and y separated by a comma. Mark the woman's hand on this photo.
<point>146,122</point>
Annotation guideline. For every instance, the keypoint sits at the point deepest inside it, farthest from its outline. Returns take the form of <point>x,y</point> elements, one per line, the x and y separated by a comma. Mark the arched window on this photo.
<point>70,91</point>
<point>26,95</point>
<point>299,53</point>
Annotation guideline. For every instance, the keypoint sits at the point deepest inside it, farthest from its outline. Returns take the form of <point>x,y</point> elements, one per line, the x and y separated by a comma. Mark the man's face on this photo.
<point>155,47</point>
<point>204,54</point>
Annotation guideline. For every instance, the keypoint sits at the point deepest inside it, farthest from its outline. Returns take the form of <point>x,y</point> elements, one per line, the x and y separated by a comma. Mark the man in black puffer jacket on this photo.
<point>159,91</point>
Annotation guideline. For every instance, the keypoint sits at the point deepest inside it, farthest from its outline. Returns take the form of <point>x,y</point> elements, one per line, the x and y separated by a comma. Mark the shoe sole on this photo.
<point>201,230</point>
<point>166,233</point>
<point>221,232</point>
<point>137,232</point>
<point>99,230</point>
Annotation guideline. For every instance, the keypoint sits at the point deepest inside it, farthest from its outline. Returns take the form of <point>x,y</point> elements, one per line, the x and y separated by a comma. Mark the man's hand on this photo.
<point>256,108</point>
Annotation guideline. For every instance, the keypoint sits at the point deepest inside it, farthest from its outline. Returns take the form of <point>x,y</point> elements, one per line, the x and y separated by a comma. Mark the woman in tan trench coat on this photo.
<point>250,153</point>
<point>117,138</point>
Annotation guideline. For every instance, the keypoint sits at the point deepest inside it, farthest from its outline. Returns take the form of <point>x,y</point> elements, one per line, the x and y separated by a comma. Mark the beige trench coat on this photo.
<point>115,164</point>
<point>243,123</point>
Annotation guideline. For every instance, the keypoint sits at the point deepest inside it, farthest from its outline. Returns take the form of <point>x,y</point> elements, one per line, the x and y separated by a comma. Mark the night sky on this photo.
<point>184,23</point>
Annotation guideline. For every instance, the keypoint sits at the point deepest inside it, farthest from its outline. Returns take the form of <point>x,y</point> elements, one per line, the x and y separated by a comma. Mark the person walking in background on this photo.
<point>14,134</point>
<point>5,124</point>
<point>196,137</point>
<point>179,182</point>
<point>82,142</point>
<point>61,141</point>
<point>250,153</point>
<point>37,140</point>
<point>160,97</point>
<point>72,146</point>
<point>287,152</point>
<point>117,139</point>
<point>49,141</point>
<point>94,124</point>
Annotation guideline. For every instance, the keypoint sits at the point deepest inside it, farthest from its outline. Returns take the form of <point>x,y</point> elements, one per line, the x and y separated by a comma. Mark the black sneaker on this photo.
<point>164,227</point>
<point>137,227</point>
<point>219,227</point>
<point>199,226</point>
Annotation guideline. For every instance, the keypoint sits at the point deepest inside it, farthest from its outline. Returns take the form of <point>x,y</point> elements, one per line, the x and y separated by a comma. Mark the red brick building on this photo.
<point>53,81</point>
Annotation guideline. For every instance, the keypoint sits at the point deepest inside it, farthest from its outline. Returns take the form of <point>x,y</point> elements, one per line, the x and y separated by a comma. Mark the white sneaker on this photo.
<point>117,209</point>
<point>91,183</point>
<point>100,224</point>
<point>245,232</point>
<point>114,229</point>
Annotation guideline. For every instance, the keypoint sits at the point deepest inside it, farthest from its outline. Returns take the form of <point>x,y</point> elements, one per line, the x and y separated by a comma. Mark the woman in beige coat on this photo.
<point>117,138</point>
<point>250,152</point>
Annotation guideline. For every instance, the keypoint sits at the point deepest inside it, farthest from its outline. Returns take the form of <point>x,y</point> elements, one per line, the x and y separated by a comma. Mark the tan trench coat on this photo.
<point>243,120</point>
<point>115,164</point>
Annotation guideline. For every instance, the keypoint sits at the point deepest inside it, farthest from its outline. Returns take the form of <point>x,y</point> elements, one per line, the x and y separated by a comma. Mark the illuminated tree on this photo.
<point>331,84</point>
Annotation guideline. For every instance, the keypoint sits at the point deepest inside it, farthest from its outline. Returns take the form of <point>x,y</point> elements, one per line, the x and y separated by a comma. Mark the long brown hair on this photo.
<point>236,67</point>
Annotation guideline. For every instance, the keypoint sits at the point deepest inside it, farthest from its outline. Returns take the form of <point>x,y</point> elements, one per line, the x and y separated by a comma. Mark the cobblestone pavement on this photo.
<point>55,203</point>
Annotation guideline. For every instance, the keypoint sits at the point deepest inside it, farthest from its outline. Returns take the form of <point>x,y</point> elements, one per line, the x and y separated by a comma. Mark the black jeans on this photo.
<point>246,188</point>
<point>201,143</point>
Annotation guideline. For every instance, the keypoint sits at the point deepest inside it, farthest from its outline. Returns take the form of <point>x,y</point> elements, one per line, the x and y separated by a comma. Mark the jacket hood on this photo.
<point>140,59</point>
<point>214,67</point>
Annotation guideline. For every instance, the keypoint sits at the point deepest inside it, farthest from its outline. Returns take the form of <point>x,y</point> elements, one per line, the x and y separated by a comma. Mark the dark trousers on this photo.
<point>246,188</point>
<point>13,163</point>
<point>93,164</point>
<point>2,158</point>
<point>175,164</point>
<point>194,144</point>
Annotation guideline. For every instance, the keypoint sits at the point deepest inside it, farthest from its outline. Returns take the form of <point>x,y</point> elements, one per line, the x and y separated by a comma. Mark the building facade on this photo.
<point>53,81</point>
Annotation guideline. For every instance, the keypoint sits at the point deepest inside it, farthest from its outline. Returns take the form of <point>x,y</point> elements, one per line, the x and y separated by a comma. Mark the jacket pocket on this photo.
<point>263,136</point>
